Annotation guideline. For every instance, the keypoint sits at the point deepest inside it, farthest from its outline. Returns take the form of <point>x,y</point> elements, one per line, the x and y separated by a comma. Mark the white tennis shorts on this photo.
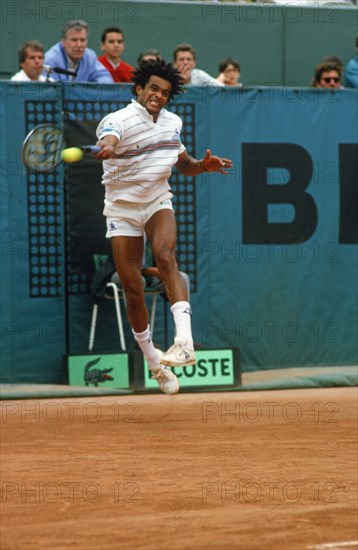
<point>127,219</point>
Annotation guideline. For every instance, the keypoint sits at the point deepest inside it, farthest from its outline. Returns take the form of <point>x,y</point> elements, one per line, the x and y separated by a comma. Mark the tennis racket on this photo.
<point>42,148</point>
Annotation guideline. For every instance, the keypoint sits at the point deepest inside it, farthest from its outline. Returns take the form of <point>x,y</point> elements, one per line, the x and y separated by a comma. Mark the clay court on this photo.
<point>257,470</point>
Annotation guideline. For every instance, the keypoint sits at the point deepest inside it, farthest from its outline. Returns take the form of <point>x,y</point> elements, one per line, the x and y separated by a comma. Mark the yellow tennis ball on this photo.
<point>72,154</point>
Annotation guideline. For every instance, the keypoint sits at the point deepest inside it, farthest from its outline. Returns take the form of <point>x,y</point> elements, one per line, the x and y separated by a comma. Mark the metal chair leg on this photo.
<point>118,313</point>
<point>152,313</point>
<point>117,294</point>
<point>93,327</point>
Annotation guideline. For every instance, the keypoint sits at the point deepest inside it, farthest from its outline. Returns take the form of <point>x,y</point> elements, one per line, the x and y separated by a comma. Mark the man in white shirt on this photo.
<point>31,60</point>
<point>184,60</point>
<point>140,145</point>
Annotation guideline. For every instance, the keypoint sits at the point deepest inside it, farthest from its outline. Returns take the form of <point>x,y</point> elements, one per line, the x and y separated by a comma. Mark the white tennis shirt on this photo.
<point>145,153</point>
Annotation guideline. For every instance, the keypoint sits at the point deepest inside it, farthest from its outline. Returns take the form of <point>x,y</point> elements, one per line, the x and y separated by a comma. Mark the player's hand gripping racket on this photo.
<point>43,149</point>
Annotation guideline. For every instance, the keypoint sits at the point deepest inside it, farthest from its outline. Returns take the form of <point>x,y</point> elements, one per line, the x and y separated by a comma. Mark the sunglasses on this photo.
<point>328,79</point>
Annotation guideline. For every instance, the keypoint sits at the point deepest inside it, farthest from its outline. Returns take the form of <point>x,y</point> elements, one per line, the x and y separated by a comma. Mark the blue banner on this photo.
<point>277,237</point>
<point>271,248</point>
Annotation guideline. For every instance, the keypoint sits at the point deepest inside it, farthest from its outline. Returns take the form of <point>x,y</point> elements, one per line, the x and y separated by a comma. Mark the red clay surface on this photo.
<point>258,470</point>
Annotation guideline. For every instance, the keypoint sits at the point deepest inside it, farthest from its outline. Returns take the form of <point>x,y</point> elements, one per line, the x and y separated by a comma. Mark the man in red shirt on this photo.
<point>112,44</point>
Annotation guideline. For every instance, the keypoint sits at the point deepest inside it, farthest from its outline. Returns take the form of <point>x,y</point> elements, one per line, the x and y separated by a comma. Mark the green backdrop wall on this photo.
<point>271,249</point>
<point>276,45</point>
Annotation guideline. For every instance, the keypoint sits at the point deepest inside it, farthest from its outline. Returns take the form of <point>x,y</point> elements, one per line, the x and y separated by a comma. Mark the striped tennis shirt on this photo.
<point>144,155</point>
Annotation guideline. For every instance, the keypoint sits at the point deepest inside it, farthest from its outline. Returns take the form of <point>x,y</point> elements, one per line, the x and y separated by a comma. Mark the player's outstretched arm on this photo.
<point>210,163</point>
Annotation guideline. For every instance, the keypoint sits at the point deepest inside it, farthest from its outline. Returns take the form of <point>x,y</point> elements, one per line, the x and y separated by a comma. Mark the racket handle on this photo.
<point>91,148</point>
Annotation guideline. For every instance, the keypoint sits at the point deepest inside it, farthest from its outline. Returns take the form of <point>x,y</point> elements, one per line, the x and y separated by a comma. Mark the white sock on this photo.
<point>145,343</point>
<point>182,318</point>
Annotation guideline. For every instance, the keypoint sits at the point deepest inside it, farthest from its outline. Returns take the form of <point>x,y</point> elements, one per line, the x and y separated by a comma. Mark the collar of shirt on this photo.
<point>71,66</point>
<point>23,77</point>
<point>143,111</point>
<point>114,65</point>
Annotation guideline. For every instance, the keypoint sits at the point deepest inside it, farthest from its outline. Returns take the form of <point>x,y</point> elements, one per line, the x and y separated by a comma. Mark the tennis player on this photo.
<point>140,145</point>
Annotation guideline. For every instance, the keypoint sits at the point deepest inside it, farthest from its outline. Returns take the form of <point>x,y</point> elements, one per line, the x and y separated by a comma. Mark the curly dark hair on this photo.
<point>158,67</point>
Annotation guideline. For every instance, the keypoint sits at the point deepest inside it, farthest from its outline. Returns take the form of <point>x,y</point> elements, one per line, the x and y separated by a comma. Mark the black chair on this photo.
<point>106,284</point>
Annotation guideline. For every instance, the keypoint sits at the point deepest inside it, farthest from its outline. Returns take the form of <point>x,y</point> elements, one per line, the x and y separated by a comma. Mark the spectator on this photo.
<point>149,55</point>
<point>351,70</point>
<point>31,61</point>
<point>184,60</point>
<point>230,72</point>
<point>72,54</point>
<point>327,75</point>
<point>112,43</point>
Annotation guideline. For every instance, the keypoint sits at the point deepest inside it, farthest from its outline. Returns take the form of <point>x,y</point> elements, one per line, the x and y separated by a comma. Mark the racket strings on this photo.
<point>42,148</point>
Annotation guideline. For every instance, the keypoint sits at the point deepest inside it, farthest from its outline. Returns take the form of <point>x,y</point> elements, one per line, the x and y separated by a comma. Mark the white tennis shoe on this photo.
<point>179,354</point>
<point>166,379</point>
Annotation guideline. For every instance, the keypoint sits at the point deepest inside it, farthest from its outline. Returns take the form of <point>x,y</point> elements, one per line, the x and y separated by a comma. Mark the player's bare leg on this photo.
<point>128,253</point>
<point>161,231</point>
